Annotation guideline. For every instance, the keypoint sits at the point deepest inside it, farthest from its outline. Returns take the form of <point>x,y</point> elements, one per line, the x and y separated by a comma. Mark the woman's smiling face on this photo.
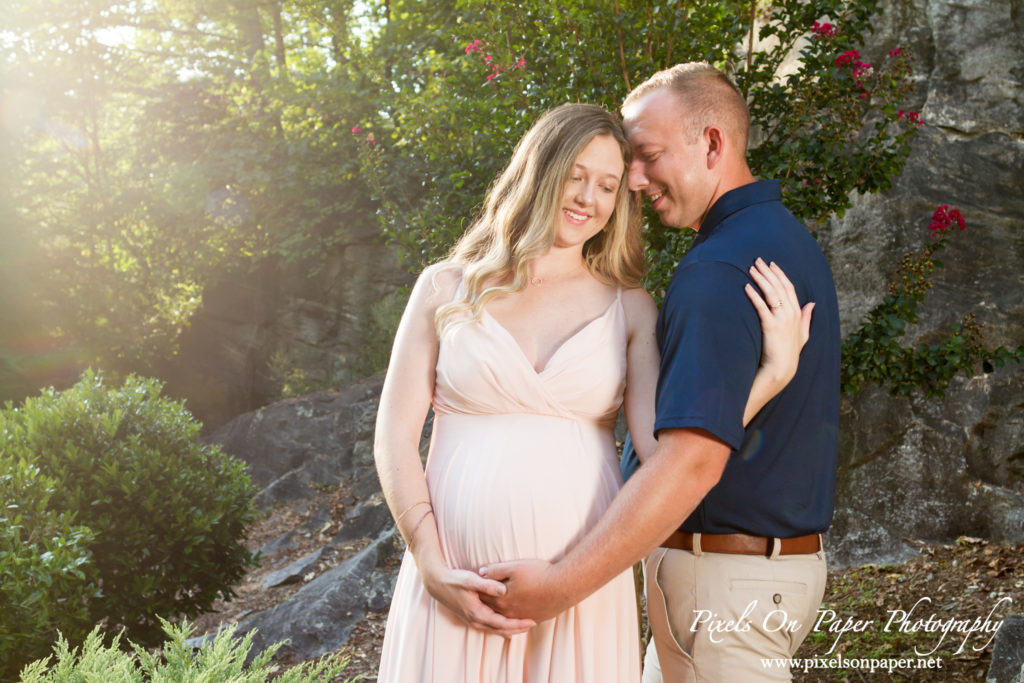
<point>588,198</point>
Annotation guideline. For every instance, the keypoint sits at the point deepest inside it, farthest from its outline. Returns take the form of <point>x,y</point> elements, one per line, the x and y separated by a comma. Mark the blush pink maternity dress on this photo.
<point>522,463</point>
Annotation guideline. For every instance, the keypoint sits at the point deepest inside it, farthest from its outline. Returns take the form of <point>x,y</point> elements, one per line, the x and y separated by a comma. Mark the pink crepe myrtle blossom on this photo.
<point>943,219</point>
<point>496,68</point>
<point>912,116</point>
<point>847,57</point>
<point>824,31</point>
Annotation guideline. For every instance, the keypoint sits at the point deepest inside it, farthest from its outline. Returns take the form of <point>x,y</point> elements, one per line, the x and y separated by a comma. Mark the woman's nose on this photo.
<point>584,194</point>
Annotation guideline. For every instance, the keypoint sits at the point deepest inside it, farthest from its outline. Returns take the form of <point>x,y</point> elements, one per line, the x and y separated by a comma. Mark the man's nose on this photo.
<point>637,178</point>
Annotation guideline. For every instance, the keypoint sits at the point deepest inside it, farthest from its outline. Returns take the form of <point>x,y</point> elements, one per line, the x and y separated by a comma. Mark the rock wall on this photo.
<point>294,445</point>
<point>925,468</point>
<point>255,328</point>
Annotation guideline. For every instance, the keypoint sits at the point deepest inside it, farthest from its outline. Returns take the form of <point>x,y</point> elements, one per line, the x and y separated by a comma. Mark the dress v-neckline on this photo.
<point>522,354</point>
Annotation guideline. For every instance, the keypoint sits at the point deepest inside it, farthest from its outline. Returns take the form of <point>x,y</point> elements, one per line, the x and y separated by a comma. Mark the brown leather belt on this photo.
<point>742,544</point>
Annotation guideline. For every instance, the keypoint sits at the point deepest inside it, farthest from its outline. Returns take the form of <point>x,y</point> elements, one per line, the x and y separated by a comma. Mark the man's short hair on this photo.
<point>707,98</point>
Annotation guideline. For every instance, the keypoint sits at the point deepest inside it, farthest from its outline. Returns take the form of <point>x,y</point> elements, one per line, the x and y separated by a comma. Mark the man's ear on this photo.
<point>714,138</point>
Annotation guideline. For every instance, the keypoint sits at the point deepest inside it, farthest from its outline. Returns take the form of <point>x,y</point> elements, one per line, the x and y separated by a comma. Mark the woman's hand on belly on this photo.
<point>460,591</point>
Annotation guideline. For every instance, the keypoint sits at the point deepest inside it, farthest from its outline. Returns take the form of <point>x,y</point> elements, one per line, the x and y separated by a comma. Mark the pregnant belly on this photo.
<point>507,487</point>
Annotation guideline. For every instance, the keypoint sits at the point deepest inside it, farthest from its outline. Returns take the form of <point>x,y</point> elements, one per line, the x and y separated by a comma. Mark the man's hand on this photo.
<point>461,591</point>
<point>533,590</point>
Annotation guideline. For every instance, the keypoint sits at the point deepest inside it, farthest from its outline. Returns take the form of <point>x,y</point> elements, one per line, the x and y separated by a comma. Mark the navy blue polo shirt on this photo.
<point>780,477</point>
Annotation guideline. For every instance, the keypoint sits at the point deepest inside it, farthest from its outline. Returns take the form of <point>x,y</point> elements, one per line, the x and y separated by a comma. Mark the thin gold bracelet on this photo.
<point>398,520</point>
<point>412,534</point>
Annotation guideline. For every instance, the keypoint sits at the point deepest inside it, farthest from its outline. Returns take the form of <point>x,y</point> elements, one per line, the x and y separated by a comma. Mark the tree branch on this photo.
<point>622,51</point>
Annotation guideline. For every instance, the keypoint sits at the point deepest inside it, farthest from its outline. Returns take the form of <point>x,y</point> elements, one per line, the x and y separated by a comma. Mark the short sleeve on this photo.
<point>710,339</point>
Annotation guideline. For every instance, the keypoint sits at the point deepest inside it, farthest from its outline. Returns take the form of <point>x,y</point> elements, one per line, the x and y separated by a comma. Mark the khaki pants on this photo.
<point>714,616</point>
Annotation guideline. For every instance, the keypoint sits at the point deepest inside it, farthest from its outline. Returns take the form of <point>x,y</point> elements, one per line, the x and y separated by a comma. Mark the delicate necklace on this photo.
<point>537,281</point>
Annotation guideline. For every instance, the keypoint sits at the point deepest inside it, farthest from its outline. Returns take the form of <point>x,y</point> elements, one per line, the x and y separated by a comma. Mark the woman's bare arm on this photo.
<point>405,400</point>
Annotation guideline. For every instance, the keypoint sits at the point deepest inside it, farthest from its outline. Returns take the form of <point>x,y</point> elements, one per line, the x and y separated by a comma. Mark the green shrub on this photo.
<point>167,512</point>
<point>42,586</point>
<point>223,659</point>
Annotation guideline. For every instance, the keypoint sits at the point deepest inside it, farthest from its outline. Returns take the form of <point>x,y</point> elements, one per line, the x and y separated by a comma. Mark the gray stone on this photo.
<point>905,474</point>
<point>320,517</point>
<point>1008,653</point>
<point>296,443</point>
<point>368,519</point>
<point>293,572</point>
<point>320,616</point>
<point>933,469</point>
<point>276,545</point>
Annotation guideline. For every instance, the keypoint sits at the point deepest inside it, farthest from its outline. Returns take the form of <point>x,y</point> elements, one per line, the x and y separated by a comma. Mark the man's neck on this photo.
<point>730,180</point>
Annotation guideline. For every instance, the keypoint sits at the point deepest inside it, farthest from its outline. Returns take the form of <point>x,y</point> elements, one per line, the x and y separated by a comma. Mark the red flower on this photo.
<point>915,117</point>
<point>847,57</point>
<point>895,52</point>
<point>521,63</point>
<point>943,218</point>
<point>490,77</point>
<point>900,115</point>
<point>371,140</point>
<point>356,130</point>
<point>825,30</point>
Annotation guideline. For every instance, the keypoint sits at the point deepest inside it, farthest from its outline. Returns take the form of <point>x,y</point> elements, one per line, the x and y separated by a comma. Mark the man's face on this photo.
<point>667,169</point>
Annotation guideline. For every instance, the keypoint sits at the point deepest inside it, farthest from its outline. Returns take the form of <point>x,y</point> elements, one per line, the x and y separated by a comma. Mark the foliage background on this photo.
<point>159,146</point>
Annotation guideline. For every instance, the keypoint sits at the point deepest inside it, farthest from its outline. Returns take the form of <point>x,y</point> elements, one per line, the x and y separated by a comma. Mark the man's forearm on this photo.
<point>652,504</point>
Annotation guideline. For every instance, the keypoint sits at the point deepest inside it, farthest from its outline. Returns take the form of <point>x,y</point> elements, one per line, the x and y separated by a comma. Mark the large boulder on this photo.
<point>319,618</point>
<point>296,444</point>
<point>1008,653</point>
<point>925,468</point>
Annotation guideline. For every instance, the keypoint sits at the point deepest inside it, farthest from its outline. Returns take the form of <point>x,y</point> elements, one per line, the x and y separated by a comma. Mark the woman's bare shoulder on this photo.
<point>641,311</point>
<point>438,283</point>
<point>637,300</point>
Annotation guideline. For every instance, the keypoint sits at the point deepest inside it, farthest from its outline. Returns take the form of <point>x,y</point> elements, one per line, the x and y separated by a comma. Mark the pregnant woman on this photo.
<point>526,340</point>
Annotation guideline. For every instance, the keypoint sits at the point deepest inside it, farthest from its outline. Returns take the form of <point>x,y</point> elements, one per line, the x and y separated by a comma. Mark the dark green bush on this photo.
<point>42,585</point>
<point>167,512</point>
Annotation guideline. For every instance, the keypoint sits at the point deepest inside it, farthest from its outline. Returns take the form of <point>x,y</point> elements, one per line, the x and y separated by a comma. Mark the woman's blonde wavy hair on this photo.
<point>520,215</point>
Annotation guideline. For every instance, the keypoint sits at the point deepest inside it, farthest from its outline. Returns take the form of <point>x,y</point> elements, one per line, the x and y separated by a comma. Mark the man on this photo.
<point>736,514</point>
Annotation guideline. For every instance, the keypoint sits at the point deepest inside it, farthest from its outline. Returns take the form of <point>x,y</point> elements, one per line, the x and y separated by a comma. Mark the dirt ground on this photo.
<point>945,587</point>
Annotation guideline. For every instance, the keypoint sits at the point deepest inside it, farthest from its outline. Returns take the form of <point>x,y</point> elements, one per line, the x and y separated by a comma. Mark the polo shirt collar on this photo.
<point>738,198</point>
